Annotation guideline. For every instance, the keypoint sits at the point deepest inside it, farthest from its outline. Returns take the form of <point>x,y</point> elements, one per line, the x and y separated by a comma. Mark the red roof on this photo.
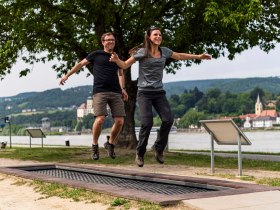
<point>82,106</point>
<point>271,113</point>
<point>247,115</point>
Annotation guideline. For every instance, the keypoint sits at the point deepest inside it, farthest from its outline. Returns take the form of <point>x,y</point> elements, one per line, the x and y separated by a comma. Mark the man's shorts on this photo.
<point>114,101</point>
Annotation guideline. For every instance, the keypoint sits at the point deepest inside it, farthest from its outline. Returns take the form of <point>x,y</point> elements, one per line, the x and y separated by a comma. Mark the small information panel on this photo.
<point>36,133</point>
<point>225,132</point>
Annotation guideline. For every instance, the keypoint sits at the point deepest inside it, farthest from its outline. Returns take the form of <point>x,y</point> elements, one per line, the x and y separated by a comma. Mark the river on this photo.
<point>262,141</point>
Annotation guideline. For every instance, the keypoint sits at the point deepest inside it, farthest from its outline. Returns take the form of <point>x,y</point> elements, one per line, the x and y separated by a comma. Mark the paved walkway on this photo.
<point>253,201</point>
<point>269,200</point>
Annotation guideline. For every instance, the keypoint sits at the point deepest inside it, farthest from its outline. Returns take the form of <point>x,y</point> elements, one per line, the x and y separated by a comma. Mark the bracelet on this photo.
<point>123,89</point>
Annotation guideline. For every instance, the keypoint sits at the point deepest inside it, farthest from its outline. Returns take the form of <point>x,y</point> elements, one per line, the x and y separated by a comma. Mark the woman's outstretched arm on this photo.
<point>122,64</point>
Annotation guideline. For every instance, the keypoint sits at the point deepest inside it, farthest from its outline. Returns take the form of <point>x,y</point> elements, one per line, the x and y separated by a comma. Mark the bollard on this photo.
<point>67,142</point>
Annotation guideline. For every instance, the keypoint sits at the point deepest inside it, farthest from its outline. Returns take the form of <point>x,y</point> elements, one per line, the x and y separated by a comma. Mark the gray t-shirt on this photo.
<point>151,69</point>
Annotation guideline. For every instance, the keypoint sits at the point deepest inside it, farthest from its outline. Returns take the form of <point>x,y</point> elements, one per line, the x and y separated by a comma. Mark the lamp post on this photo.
<point>7,120</point>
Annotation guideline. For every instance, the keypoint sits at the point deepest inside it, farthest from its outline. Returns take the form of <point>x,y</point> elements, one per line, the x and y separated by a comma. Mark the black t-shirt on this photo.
<point>105,73</point>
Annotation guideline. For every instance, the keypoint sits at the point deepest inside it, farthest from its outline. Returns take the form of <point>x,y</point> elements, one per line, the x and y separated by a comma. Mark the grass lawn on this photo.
<point>125,157</point>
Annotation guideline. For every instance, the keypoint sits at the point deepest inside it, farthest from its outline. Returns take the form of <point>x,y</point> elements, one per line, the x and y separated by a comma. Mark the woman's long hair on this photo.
<point>147,42</point>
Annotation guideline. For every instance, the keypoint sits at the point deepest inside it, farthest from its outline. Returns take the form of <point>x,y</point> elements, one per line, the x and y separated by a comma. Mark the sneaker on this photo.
<point>139,160</point>
<point>158,155</point>
<point>95,152</point>
<point>110,150</point>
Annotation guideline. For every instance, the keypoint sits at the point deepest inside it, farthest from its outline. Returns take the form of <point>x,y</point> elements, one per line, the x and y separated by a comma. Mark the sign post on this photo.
<point>35,133</point>
<point>225,132</point>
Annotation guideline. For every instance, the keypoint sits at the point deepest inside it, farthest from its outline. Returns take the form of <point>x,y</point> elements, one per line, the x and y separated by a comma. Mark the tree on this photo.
<point>210,102</point>
<point>66,31</point>
<point>278,103</point>
<point>246,104</point>
<point>178,110</point>
<point>187,100</point>
<point>191,118</point>
<point>257,91</point>
<point>79,126</point>
<point>87,121</point>
<point>197,94</point>
<point>175,99</point>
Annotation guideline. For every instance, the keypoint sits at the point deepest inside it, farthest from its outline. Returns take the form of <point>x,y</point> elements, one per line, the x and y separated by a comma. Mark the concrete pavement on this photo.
<point>269,200</point>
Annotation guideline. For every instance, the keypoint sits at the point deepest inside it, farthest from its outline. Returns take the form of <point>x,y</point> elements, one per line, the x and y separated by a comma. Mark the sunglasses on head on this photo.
<point>152,28</point>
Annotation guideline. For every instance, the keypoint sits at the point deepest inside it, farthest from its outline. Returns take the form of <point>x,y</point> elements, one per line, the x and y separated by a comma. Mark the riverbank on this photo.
<point>262,141</point>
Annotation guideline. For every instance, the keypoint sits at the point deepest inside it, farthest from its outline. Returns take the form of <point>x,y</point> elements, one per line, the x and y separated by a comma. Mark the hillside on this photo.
<point>59,99</point>
<point>47,100</point>
<point>271,84</point>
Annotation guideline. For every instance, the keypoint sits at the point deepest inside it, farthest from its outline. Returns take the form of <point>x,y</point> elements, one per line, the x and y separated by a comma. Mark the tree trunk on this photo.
<point>127,138</point>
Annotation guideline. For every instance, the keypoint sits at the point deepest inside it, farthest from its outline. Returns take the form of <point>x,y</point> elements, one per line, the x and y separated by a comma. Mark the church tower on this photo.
<point>258,106</point>
<point>89,102</point>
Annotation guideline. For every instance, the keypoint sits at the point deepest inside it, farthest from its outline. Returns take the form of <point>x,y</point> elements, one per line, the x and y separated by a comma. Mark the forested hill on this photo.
<point>55,98</point>
<point>52,99</point>
<point>271,84</point>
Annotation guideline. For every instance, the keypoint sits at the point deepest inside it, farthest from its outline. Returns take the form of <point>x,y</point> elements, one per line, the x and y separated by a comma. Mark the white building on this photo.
<point>46,124</point>
<point>262,118</point>
<point>87,108</point>
<point>263,122</point>
<point>247,123</point>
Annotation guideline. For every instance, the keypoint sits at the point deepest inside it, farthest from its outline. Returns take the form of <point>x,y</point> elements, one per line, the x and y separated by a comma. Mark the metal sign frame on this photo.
<point>225,132</point>
<point>35,133</point>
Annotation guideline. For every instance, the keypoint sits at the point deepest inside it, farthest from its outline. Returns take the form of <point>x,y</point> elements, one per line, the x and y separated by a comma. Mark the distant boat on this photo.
<point>155,129</point>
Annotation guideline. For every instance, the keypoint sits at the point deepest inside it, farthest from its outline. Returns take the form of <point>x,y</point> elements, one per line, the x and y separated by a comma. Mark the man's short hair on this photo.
<point>106,34</point>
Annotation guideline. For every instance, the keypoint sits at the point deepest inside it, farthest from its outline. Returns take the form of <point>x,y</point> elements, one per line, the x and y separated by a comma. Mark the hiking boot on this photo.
<point>95,152</point>
<point>110,150</point>
<point>139,160</point>
<point>158,155</point>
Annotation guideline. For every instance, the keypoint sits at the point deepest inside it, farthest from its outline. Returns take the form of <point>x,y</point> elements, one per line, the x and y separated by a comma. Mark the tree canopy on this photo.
<point>67,30</point>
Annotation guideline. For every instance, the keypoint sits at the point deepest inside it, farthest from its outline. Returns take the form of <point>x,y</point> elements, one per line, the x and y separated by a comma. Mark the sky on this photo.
<point>250,63</point>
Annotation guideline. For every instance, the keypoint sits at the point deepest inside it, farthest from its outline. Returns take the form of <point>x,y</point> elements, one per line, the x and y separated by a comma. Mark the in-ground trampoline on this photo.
<point>158,188</point>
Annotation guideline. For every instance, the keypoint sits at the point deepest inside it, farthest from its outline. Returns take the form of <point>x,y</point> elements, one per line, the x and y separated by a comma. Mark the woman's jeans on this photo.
<point>158,100</point>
